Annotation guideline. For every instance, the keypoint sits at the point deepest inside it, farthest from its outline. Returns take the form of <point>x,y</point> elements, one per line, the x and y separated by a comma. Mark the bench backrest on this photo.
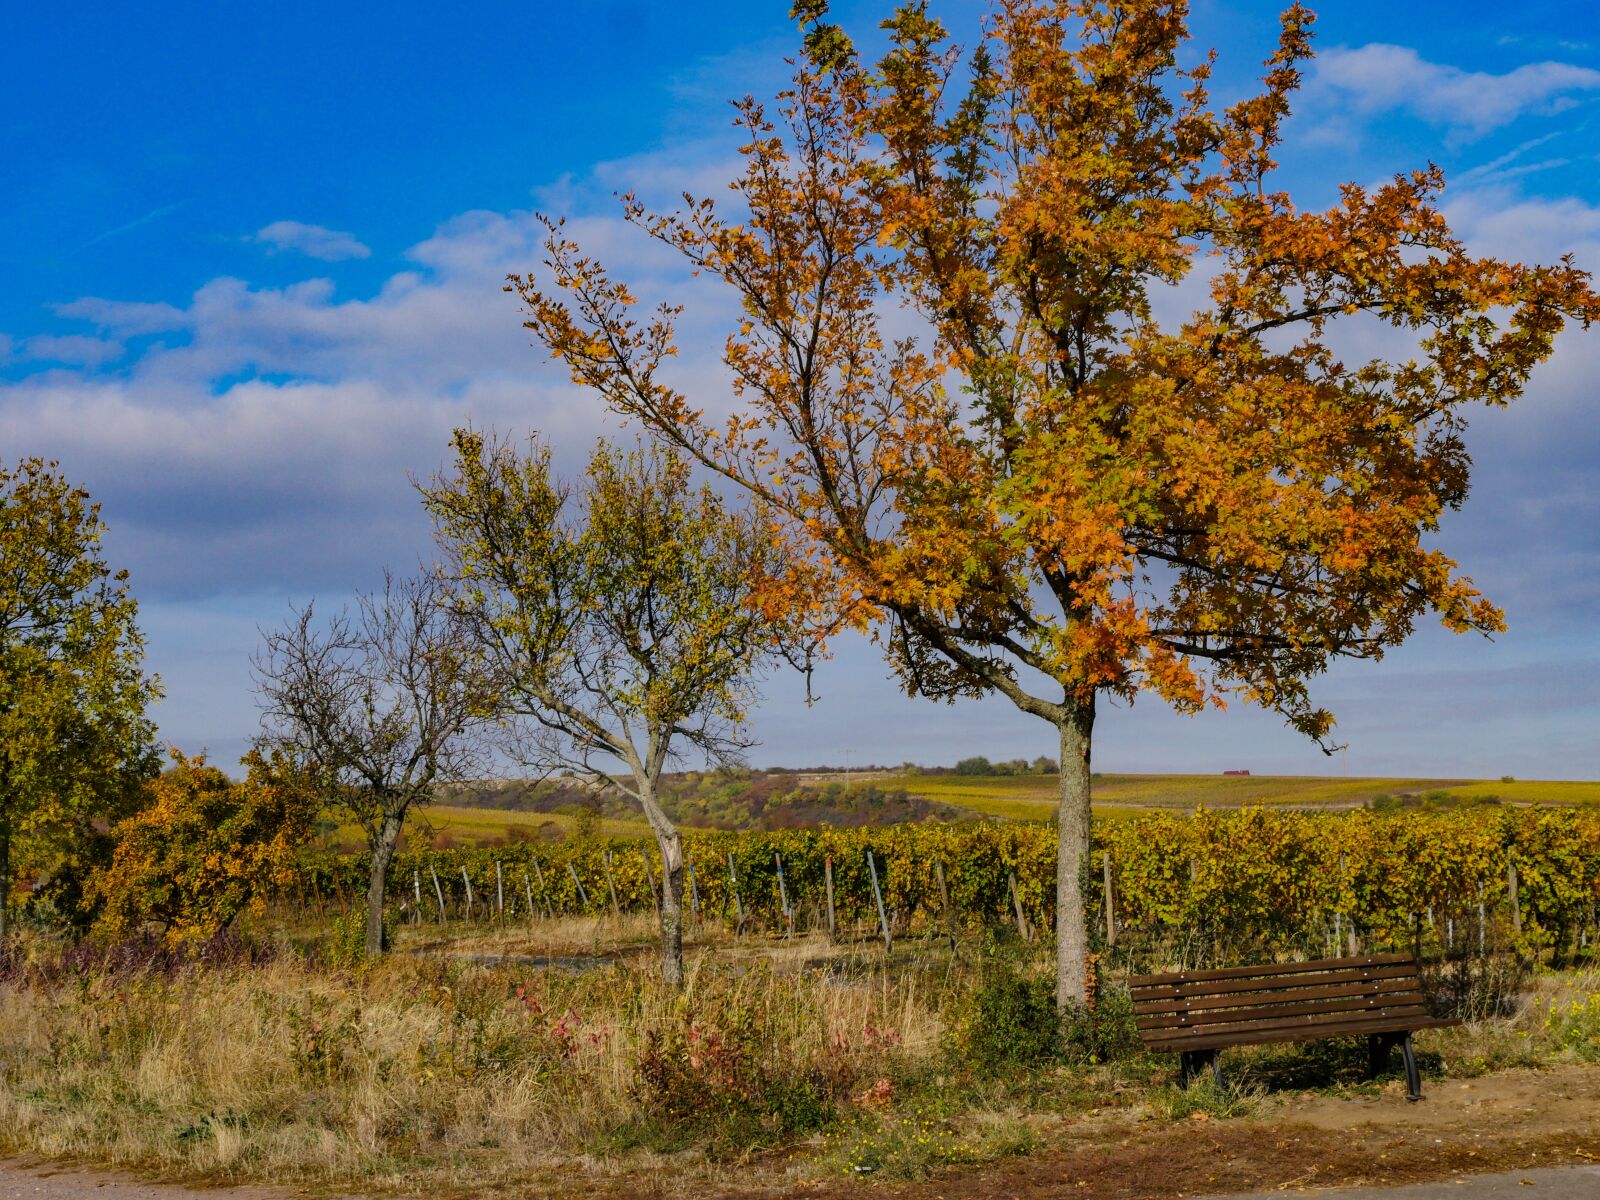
<point>1275,1002</point>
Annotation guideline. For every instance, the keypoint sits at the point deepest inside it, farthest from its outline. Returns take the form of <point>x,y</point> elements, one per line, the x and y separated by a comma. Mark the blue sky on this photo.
<point>252,261</point>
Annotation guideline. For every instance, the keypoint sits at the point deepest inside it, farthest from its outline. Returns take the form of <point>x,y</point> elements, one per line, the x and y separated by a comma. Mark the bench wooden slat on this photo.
<point>1162,1037</point>
<point>1224,1018</point>
<point>1198,1013</point>
<point>1201,1040</point>
<point>1265,969</point>
<point>1222,993</point>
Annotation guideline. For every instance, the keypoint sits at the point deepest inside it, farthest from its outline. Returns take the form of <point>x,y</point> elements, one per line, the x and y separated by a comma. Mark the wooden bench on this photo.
<point>1198,1013</point>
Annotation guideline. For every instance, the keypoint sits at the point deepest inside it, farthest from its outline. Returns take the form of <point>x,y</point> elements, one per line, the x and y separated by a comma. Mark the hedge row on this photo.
<point>1264,877</point>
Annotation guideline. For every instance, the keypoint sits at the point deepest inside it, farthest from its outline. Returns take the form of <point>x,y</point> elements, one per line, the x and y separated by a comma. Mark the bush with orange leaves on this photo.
<point>204,848</point>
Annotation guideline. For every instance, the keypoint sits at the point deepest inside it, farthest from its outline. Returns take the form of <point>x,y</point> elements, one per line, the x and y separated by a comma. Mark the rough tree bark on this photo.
<point>1073,831</point>
<point>5,885</point>
<point>383,844</point>
<point>670,844</point>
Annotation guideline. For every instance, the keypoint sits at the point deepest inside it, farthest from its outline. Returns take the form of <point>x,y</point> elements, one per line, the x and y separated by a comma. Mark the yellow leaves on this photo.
<point>203,847</point>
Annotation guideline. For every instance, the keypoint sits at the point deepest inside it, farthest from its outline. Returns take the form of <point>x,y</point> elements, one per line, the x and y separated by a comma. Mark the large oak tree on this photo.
<point>1054,495</point>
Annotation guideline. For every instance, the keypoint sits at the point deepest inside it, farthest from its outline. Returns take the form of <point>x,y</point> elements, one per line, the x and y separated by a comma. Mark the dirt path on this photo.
<point>1546,1183</point>
<point>1515,1120</point>
<point>24,1179</point>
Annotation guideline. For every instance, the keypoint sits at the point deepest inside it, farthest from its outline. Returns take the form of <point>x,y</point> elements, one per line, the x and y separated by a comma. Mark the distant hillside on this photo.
<point>722,800</point>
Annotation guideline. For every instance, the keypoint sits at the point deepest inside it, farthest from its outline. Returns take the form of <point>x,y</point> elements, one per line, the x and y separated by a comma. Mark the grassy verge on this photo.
<point>459,1065</point>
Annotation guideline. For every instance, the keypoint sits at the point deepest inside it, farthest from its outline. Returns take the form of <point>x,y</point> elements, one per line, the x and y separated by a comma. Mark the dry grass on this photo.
<point>453,1067</point>
<point>414,1072</point>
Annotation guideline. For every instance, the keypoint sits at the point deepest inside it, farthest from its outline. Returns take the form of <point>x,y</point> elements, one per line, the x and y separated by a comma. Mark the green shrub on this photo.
<point>1109,1032</point>
<point>1575,1026</point>
<point>346,943</point>
<point>1009,1021</point>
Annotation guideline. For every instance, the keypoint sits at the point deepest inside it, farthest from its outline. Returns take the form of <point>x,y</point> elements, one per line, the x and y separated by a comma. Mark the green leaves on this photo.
<point>74,737</point>
<point>629,601</point>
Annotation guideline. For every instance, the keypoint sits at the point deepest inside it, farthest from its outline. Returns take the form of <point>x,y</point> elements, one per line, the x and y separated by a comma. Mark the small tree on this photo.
<point>74,738</point>
<point>381,706</point>
<point>204,848</point>
<point>1054,496</point>
<point>624,626</point>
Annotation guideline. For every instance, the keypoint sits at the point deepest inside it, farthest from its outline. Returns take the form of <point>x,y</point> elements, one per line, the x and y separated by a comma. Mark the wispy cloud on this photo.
<point>1382,78</point>
<point>154,214</point>
<point>314,241</point>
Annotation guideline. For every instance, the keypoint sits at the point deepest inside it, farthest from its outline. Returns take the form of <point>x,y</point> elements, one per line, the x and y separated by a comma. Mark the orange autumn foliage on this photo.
<point>204,848</point>
<point>1080,479</point>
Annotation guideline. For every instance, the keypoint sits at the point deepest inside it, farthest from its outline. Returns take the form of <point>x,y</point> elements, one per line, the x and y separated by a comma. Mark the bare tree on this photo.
<point>381,704</point>
<point>625,625</point>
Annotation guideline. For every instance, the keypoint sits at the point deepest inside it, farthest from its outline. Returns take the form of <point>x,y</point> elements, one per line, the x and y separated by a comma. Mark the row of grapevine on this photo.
<point>1258,877</point>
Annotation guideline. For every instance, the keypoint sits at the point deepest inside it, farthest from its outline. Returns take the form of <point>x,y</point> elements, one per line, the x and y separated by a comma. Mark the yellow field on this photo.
<point>1533,791</point>
<point>1028,798</point>
<point>466,826</point>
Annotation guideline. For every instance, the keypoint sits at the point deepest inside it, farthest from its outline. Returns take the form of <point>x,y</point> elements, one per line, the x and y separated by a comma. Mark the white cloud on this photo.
<point>260,445</point>
<point>1378,77</point>
<point>73,350</point>
<point>314,241</point>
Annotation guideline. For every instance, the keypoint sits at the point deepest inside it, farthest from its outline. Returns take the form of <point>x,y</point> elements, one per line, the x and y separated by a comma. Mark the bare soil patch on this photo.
<point>1515,1119</point>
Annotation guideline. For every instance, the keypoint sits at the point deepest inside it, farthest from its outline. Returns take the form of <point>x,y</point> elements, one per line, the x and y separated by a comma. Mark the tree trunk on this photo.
<point>671,847</point>
<point>383,845</point>
<point>1073,835</point>
<point>5,885</point>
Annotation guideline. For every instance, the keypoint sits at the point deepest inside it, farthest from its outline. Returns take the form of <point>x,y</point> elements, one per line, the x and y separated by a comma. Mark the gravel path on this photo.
<point>32,1180</point>
<point>1546,1183</point>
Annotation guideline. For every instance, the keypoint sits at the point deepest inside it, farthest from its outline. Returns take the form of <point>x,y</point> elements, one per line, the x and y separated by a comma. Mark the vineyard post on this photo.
<point>1482,919</point>
<point>783,896</point>
<point>650,875</point>
<point>611,885</point>
<point>1512,898</point>
<point>694,895</point>
<point>1016,904</point>
<point>1111,915</point>
<point>543,890</point>
<point>583,896</point>
<point>827,876</point>
<point>416,890</point>
<point>468,884</point>
<point>499,892</point>
<point>877,894</point>
<point>738,905</point>
<point>944,902</point>
<point>438,892</point>
<point>527,887</point>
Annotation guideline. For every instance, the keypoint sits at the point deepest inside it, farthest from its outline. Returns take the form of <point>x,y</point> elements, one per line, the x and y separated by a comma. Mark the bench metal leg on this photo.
<point>1413,1076</point>
<point>1380,1052</point>
<point>1195,1061</point>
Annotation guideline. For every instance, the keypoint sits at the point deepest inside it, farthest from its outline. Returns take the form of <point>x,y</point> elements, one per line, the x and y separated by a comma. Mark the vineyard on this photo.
<point>1207,885</point>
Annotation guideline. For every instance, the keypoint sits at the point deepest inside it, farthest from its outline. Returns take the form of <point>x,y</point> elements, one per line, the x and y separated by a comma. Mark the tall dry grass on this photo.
<point>409,1072</point>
